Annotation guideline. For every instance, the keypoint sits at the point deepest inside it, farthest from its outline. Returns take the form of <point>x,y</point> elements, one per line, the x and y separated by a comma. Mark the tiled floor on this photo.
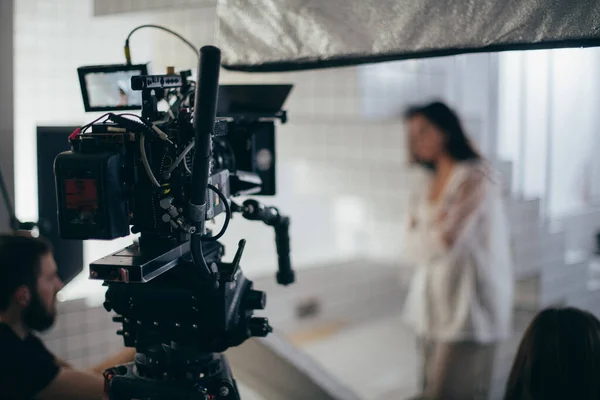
<point>377,360</point>
<point>246,393</point>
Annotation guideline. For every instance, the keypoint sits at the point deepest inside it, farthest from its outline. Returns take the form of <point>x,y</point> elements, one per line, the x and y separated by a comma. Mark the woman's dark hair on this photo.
<point>19,264</point>
<point>446,120</point>
<point>558,358</point>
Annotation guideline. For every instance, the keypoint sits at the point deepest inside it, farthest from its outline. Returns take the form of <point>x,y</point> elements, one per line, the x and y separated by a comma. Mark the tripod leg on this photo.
<point>227,385</point>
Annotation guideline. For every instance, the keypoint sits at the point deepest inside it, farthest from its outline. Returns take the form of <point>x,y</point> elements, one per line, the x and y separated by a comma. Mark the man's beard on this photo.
<point>35,316</point>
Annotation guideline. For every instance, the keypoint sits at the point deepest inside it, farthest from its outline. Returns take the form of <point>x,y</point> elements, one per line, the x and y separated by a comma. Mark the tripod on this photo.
<point>179,324</point>
<point>180,374</point>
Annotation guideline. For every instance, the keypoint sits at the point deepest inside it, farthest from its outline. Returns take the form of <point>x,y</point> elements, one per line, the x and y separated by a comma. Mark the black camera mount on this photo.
<point>179,324</point>
<point>179,303</point>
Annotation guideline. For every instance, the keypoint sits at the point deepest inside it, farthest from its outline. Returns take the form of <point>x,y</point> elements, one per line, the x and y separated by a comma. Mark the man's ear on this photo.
<point>22,296</point>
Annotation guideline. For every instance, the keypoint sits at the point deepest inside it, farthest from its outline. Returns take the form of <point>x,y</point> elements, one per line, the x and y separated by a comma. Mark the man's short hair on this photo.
<point>19,264</point>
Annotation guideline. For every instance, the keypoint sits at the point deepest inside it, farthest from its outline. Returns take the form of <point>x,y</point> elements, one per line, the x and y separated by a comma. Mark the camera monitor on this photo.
<point>108,87</point>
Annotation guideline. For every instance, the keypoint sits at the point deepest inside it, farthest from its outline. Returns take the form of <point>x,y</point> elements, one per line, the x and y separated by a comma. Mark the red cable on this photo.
<point>74,134</point>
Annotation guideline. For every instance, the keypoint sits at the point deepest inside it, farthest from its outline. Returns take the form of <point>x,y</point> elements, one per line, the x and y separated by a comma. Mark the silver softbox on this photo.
<point>283,35</point>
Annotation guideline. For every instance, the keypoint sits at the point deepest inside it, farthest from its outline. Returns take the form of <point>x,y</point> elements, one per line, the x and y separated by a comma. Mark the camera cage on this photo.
<point>174,292</point>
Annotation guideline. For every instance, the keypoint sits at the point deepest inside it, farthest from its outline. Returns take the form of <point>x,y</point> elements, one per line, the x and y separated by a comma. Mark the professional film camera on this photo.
<point>165,174</point>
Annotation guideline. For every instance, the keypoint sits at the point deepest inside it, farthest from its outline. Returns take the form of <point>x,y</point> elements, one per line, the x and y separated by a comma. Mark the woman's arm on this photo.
<point>421,242</point>
<point>455,218</point>
<point>426,241</point>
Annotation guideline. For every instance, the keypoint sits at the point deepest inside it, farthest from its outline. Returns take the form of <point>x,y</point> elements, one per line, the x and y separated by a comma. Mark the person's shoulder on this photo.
<point>14,349</point>
<point>9,341</point>
<point>26,366</point>
<point>480,170</point>
<point>72,384</point>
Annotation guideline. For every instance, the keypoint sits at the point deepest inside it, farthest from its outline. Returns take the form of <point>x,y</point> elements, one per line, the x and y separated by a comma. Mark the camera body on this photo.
<point>122,175</point>
<point>163,175</point>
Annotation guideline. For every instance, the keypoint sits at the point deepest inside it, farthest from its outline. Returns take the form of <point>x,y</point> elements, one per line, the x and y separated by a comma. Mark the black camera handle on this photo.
<point>205,113</point>
<point>255,211</point>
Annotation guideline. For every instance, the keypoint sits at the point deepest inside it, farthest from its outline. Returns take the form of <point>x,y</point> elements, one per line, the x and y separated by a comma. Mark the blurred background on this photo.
<point>342,176</point>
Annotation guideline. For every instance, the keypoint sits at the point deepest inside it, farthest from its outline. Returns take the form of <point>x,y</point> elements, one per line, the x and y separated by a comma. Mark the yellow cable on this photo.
<point>127,54</point>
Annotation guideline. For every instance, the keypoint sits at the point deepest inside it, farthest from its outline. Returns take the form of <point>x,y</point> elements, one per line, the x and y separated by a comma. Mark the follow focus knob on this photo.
<point>256,300</point>
<point>259,327</point>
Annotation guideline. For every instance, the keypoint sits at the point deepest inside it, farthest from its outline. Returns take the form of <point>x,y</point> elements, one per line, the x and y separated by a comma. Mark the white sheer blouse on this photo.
<point>463,285</point>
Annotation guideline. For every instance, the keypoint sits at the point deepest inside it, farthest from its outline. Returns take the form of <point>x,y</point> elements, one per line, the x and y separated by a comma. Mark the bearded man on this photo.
<point>28,286</point>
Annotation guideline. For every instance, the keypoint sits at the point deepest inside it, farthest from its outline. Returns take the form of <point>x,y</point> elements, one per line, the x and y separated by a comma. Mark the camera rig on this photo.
<point>165,174</point>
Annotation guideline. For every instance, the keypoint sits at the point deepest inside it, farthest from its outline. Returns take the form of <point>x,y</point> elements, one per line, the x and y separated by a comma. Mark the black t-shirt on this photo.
<point>26,366</point>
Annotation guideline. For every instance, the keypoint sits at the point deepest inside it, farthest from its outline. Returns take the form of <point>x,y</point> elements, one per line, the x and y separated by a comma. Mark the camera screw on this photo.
<point>224,391</point>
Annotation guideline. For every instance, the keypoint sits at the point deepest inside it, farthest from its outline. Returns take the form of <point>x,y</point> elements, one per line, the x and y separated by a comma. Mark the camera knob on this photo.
<point>256,300</point>
<point>118,318</point>
<point>259,327</point>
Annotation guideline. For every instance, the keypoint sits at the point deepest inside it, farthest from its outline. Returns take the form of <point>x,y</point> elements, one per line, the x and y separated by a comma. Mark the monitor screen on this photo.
<point>108,87</point>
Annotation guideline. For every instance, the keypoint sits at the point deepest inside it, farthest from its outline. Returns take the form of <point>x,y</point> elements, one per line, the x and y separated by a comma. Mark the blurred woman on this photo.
<point>558,358</point>
<point>460,300</point>
<point>123,96</point>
